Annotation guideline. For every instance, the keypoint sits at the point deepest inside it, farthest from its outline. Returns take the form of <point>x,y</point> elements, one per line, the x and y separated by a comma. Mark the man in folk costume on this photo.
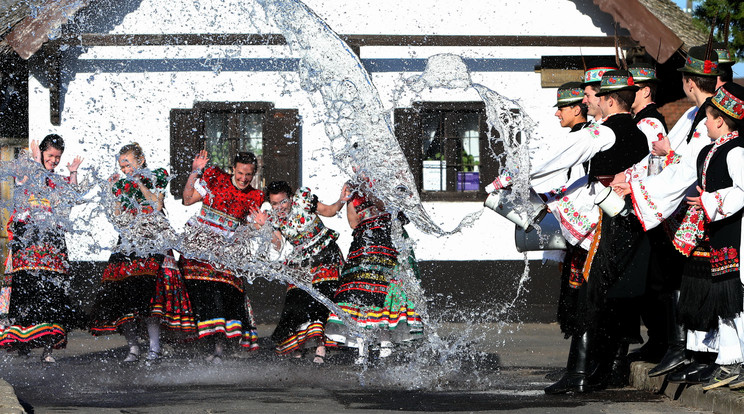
<point>574,208</point>
<point>645,112</point>
<point>657,198</point>
<point>657,306</point>
<point>711,300</point>
<point>618,258</point>
<point>699,82</point>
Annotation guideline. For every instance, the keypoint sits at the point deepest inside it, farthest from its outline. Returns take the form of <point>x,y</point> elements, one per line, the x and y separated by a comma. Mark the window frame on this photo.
<point>281,139</point>
<point>409,132</point>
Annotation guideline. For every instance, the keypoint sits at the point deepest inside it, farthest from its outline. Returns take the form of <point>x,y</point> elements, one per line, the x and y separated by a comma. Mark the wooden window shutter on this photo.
<point>407,125</point>
<point>186,141</point>
<point>281,146</point>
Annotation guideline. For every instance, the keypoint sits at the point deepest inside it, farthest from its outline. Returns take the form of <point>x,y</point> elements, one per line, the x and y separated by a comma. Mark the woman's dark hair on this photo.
<point>136,150</point>
<point>277,187</point>
<point>52,140</point>
<point>245,157</point>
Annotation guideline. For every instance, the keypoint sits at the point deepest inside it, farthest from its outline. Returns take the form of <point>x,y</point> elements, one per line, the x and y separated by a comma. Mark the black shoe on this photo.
<point>619,375</point>
<point>571,382</point>
<point>703,376</point>
<point>555,375</point>
<point>680,375</point>
<point>675,357</point>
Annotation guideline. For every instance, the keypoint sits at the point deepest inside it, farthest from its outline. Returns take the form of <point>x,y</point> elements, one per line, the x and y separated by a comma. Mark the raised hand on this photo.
<point>75,164</point>
<point>259,217</point>
<point>35,151</point>
<point>346,193</point>
<point>200,161</point>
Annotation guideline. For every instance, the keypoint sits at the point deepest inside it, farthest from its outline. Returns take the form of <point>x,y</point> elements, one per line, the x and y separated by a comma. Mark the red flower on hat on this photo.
<point>631,82</point>
<point>612,80</point>
<point>708,66</point>
<point>738,109</point>
<point>643,72</point>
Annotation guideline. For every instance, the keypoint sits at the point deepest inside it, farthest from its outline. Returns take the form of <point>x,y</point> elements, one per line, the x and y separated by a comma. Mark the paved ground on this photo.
<point>490,368</point>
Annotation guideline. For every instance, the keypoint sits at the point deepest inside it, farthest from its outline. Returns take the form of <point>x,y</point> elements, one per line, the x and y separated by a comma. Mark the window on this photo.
<point>226,128</point>
<point>447,148</point>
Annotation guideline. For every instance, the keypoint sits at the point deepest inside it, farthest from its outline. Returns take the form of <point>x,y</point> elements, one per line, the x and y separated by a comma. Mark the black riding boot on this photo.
<point>676,355</point>
<point>620,368</point>
<point>577,367</point>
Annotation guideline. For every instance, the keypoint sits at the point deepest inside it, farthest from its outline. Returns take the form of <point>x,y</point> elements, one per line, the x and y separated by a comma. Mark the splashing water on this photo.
<point>361,140</point>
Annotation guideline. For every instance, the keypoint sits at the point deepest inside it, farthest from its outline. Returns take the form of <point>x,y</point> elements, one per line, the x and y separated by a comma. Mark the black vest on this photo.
<point>726,294</point>
<point>630,147</point>
<point>725,232</point>
<point>650,111</point>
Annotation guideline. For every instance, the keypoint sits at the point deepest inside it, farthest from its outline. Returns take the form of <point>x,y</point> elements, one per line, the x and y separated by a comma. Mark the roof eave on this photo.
<point>644,27</point>
<point>31,33</point>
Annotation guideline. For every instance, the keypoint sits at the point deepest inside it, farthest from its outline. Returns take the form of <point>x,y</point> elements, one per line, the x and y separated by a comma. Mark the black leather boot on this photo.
<point>574,380</point>
<point>676,356</point>
<point>620,368</point>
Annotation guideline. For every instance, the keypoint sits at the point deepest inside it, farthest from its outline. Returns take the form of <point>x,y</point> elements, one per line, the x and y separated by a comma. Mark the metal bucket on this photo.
<point>499,203</point>
<point>529,240</point>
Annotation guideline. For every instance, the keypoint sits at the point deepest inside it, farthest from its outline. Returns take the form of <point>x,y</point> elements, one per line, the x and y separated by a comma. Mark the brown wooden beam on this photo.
<point>28,35</point>
<point>95,39</point>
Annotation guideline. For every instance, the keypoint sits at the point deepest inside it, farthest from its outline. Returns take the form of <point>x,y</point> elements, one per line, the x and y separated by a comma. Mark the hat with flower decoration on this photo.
<point>643,72</point>
<point>569,93</point>
<point>700,63</point>
<point>616,81</point>
<point>729,98</point>
<point>597,68</point>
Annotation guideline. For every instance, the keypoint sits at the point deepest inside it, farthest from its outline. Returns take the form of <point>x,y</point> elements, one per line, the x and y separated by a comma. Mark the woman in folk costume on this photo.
<point>296,216</point>
<point>217,294</point>
<point>39,311</point>
<point>709,233</point>
<point>141,289</point>
<point>365,290</point>
<point>719,206</point>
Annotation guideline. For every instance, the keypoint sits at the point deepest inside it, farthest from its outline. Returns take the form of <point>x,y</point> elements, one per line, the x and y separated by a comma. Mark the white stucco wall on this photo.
<point>108,104</point>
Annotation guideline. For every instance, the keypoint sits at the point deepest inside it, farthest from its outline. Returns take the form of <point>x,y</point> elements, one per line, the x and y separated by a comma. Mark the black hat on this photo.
<point>723,53</point>
<point>569,93</point>
<point>699,64</point>
<point>615,81</point>
<point>643,72</point>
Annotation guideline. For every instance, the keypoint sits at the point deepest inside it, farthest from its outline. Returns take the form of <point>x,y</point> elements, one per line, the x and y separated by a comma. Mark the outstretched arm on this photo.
<point>327,210</point>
